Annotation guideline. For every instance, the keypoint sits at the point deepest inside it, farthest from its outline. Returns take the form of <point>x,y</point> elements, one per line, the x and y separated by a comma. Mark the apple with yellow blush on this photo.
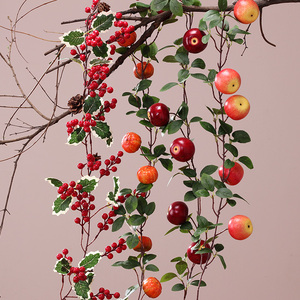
<point>240,227</point>
<point>246,11</point>
<point>228,81</point>
<point>237,107</point>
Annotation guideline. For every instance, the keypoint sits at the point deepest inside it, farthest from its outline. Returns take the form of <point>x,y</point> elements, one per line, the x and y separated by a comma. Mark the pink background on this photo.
<point>265,266</point>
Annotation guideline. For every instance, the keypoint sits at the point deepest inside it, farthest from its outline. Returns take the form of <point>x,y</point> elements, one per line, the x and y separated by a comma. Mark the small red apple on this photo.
<point>192,40</point>
<point>131,142</point>
<point>232,176</point>
<point>143,72</point>
<point>198,258</point>
<point>240,227</point>
<point>228,81</point>
<point>246,11</point>
<point>177,213</point>
<point>182,149</point>
<point>237,107</point>
<point>147,244</point>
<point>158,114</point>
<point>147,174</point>
<point>152,287</point>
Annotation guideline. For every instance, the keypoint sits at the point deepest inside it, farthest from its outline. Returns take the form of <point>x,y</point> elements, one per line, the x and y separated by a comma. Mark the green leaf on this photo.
<point>202,25</point>
<point>222,4</point>
<point>176,8</point>
<point>232,149</point>
<point>172,229</point>
<point>90,260</point>
<point>241,136</point>
<point>188,2</point>
<point>82,289</point>
<point>88,183</point>
<point>150,208</point>
<point>131,204</point>
<point>136,220</point>
<point>167,163</point>
<point>159,150</point>
<point>189,196</point>
<point>175,259</point>
<point>228,164</point>
<point>201,193</point>
<point>246,161</point>
<point>146,123</point>
<point>224,128</point>
<point>142,204</point>
<point>183,75</point>
<point>195,119</point>
<point>196,283</point>
<point>219,247</point>
<point>204,250</point>
<point>178,41</point>
<point>132,241</point>
<point>208,182</point>
<point>62,266</point>
<point>127,264</point>
<point>77,136</point>
<point>189,172</point>
<point>91,104</point>
<point>205,40</point>
<point>222,261</point>
<point>101,130</point>
<point>118,223</point>
<point>198,63</point>
<point>174,126</point>
<point>152,268</point>
<point>211,15</point>
<point>211,75</point>
<point>186,226</point>
<point>148,257</point>
<point>54,182</point>
<point>125,191</point>
<point>61,206</point>
<point>158,4</point>
<point>103,22</point>
<point>231,202</point>
<point>142,113</point>
<point>183,111</point>
<point>170,59</point>
<point>202,222</point>
<point>168,276</point>
<point>181,266</point>
<point>101,51</point>
<point>182,57</point>
<point>149,51</point>
<point>199,76</point>
<point>147,101</point>
<point>130,290</point>
<point>178,287</point>
<point>209,170</point>
<point>168,86</point>
<point>143,85</point>
<point>208,127</point>
<point>73,38</point>
<point>224,193</point>
<point>142,188</point>
<point>135,101</point>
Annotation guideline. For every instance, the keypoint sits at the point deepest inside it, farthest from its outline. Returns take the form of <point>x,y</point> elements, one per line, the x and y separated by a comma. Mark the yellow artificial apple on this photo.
<point>246,11</point>
<point>228,81</point>
<point>237,107</point>
<point>240,227</point>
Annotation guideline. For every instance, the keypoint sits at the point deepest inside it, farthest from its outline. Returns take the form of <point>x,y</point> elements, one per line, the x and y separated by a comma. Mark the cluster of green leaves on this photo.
<point>81,288</point>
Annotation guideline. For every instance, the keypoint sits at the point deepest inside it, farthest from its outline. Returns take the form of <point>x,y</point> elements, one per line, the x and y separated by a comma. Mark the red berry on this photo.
<point>106,227</point>
<point>104,216</point>
<point>82,57</point>
<point>59,256</point>
<point>101,290</point>
<point>121,241</point>
<point>117,295</point>
<point>110,221</point>
<point>110,90</point>
<point>65,251</point>
<point>76,279</point>
<point>77,220</point>
<point>79,187</point>
<point>87,10</point>
<point>73,52</point>
<point>80,166</point>
<point>118,15</point>
<point>107,248</point>
<point>112,214</point>
<point>82,47</point>
<point>100,225</point>
<point>92,206</point>
<point>91,198</point>
<point>110,255</point>
<point>70,259</point>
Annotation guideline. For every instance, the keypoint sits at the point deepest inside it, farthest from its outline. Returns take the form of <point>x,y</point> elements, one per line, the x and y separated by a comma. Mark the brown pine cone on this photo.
<point>75,104</point>
<point>102,6</point>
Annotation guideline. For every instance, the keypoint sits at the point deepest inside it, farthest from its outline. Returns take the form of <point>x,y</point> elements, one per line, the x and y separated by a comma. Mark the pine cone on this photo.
<point>102,6</point>
<point>75,104</point>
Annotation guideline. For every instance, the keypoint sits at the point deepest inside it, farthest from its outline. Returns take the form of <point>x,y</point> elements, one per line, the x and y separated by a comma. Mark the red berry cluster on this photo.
<point>115,247</point>
<point>107,220</point>
<point>67,190</point>
<point>85,205</point>
<point>110,164</point>
<point>88,9</point>
<point>123,198</point>
<point>105,108</point>
<point>64,255</point>
<point>104,293</point>
<point>79,274</point>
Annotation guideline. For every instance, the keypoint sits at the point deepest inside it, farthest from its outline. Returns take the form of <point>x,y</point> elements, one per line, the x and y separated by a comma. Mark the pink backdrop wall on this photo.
<point>265,266</point>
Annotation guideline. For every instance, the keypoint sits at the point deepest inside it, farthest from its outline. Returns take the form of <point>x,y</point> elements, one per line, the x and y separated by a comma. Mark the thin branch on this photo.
<point>261,29</point>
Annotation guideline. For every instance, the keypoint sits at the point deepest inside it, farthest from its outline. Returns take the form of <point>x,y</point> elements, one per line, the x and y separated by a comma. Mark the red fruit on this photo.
<point>232,176</point>
<point>152,287</point>
<point>158,114</point>
<point>198,258</point>
<point>192,40</point>
<point>143,72</point>
<point>228,81</point>
<point>240,227</point>
<point>131,142</point>
<point>147,174</point>
<point>147,244</point>
<point>177,213</point>
<point>182,149</point>
<point>127,42</point>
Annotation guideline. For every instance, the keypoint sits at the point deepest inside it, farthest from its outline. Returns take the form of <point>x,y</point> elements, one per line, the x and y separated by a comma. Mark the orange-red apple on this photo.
<point>147,244</point>
<point>228,81</point>
<point>237,107</point>
<point>232,176</point>
<point>147,174</point>
<point>246,11</point>
<point>240,227</point>
<point>152,287</point>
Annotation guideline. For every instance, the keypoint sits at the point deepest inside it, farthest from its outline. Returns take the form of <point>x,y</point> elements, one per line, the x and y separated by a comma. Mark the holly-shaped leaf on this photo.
<point>102,130</point>
<point>91,104</point>
<point>77,136</point>
<point>62,266</point>
<point>73,38</point>
<point>90,260</point>
<point>101,51</point>
<point>89,183</point>
<point>61,206</point>
<point>82,289</point>
<point>111,197</point>
<point>55,182</point>
<point>103,22</point>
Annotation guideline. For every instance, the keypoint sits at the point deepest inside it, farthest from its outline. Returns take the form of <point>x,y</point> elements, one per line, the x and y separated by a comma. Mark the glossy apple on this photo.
<point>147,174</point>
<point>192,40</point>
<point>246,11</point>
<point>152,287</point>
<point>182,149</point>
<point>131,142</point>
<point>147,244</point>
<point>240,227</point>
<point>237,107</point>
<point>177,213</point>
<point>198,258</point>
<point>228,81</point>
<point>143,72</point>
<point>232,176</point>
<point>158,114</point>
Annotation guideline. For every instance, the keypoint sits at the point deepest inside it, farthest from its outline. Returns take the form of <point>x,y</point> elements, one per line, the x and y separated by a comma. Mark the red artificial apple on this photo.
<point>198,258</point>
<point>182,149</point>
<point>227,81</point>
<point>237,107</point>
<point>131,142</point>
<point>158,114</point>
<point>232,176</point>
<point>240,227</point>
<point>192,40</point>
<point>246,11</point>
<point>147,174</point>
<point>177,213</point>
